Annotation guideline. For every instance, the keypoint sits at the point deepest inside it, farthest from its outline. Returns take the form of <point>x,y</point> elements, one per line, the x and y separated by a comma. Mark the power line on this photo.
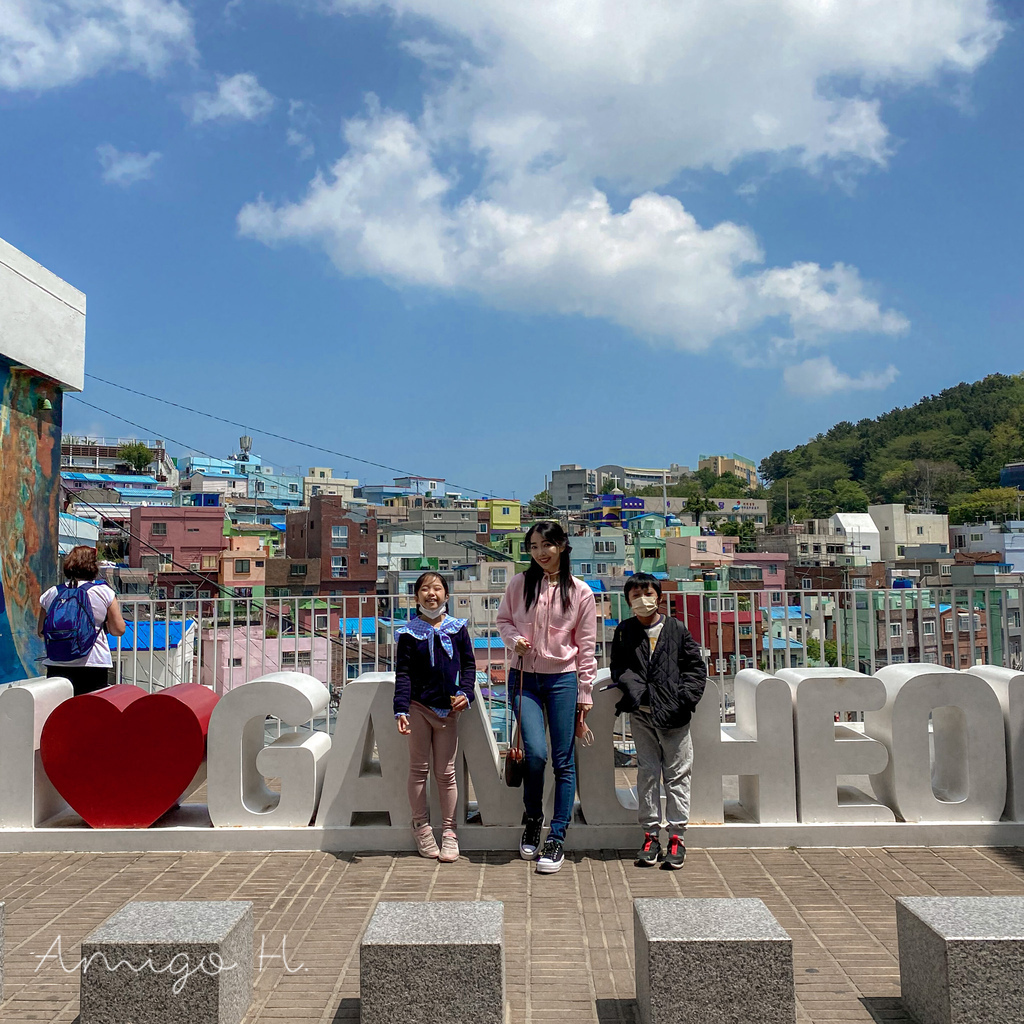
<point>265,433</point>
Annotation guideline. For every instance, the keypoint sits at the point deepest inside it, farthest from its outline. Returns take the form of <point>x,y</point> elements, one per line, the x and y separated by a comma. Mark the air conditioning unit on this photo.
<point>194,566</point>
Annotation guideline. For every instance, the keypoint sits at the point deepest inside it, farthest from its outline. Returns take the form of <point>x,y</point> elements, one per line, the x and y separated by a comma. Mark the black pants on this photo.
<point>84,678</point>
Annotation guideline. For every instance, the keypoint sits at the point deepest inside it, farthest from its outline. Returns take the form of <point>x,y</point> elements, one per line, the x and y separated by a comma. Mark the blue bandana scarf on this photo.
<point>423,630</point>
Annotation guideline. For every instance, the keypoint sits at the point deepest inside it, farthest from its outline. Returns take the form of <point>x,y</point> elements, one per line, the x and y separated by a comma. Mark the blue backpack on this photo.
<point>70,630</point>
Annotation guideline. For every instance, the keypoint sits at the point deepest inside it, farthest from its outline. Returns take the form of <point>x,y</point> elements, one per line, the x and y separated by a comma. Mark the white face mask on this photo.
<point>644,604</point>
<point>433,616</point>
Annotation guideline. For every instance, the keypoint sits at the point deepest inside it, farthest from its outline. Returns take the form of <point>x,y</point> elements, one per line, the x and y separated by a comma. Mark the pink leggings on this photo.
<point>440,735</point>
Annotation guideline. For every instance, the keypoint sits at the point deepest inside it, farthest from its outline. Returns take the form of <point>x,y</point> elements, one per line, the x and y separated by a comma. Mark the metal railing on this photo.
<point>225,643</point>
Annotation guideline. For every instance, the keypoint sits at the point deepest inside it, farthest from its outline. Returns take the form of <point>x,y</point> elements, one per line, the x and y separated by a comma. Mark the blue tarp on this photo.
<point>794,610</point>
<point>141,630</point>
<point>483,642</point>
<point>365,626</point>
<point>595,585</point>
<point>779,644</point>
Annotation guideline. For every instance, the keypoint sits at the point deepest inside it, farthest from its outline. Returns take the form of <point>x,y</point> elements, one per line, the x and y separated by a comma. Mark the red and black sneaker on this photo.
<point>649,852</point>
<point>675,855</point>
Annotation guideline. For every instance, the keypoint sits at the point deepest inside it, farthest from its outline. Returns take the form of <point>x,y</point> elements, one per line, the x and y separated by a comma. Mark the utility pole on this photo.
<point>664,491</point>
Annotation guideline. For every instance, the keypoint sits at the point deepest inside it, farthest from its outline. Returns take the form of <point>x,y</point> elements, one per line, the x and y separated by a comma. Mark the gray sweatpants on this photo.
<point>662,753</point>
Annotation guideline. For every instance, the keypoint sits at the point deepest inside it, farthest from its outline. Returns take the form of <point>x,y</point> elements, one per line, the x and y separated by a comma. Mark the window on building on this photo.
<point>803,549</point>
<point>158,529</point>
<point>723,604</point>
<point>772,568</point>
<point>649,553</point>
<point>438,515</point>
<point>901,550</point>
<point>440,538</point>
<point>895,629</point>
<point>928,627</point>
<point>296,659</point>
<point>259,565</point>
<point>191,529</point>
<point>184,593</point>
<point>806,584</point>
<point>320,621</point>
<point>946,570</point>
<point>241,566</point>
<point>505,510</point>
<point>974,536</point>
<point>1013,618</point>
<point>897,657</point>
<point>776,597</point>
<point>205,561</point>
<point>492,603</point>
<point>293,488</point>
<point>947,625</point>
<point>339,536</point>
<point>464,515</point>
<point>702,545</point>
<point>339,567</point>
<point>364,557</point>
<point>444,563</point>
<point>602,568</point>
<point>463,601</point>
<point>927,570</point>
<point>499,575</point>
<point>586,568</point>
<point>297,569</point>
<point>236,662</point>
<point>481,527</point>
<point>746,630</point>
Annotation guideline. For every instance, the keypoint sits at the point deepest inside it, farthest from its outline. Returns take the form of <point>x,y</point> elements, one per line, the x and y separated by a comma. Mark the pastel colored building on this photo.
<point>182,546</point>
<point>243,567</point>
<point>700,552</point>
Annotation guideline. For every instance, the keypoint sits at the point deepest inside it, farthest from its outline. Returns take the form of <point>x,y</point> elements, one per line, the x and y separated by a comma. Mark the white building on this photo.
<point>398,549</point>
<point>898,529</point>
<point>861,534</point>
<point>1005,538</point>
<point>75,530</point>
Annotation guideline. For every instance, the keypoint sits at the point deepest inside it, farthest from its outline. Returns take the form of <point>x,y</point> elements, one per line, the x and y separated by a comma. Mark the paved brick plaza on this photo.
<point>569,936</point>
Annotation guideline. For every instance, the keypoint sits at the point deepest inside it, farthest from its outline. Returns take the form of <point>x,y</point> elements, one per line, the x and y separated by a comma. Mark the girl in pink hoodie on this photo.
<point>549,618</point>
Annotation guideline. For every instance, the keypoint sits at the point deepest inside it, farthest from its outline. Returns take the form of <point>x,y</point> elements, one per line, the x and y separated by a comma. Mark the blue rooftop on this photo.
<point>488,642</point>
<point>137,636</point>
<point>366,626</point>
<point>110,478</point>
<point>779,644</point>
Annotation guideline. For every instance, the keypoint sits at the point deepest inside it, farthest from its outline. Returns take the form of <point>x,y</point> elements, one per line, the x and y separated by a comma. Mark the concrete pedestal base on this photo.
<point>712,962</point>
<point>187,962</point>
<point>433,963</point>
<point>962,958</point>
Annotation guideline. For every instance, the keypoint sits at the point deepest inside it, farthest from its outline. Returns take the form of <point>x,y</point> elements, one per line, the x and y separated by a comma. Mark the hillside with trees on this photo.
<point>942,454</point>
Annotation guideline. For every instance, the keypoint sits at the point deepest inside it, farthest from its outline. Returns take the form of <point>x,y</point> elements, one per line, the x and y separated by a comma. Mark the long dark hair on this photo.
<point>553,533</point>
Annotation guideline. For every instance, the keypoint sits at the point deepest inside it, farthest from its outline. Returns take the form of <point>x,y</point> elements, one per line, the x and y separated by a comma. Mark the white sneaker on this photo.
<point>530,842</point>
<point>551,858</point>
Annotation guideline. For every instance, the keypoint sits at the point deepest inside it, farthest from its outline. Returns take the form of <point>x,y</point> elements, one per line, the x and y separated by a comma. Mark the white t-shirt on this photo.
<point>100,597</point>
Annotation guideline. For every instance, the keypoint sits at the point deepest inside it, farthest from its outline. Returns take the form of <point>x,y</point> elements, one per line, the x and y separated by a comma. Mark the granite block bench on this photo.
<point>183,962</point>
<point>962,958</point>
<point>433,963</point>
<point>711,961</point>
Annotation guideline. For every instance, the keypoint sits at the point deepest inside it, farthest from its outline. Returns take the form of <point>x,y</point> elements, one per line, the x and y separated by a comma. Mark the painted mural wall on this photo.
<point>29,512</point>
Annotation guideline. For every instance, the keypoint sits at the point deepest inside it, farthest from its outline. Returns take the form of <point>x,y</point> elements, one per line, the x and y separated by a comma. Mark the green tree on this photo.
<point>831,651</point>
<point>696,506</point>
<point>540,504</point>
<point>849,497</point>
<point>988,503</point>
<point>746,533</point>
<point>136,456</point>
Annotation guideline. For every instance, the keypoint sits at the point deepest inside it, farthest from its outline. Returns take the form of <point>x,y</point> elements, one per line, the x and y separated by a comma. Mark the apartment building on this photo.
<point>738,465</point>
<point>243,567</point>
<point>343,539</point>
<point>898,528</point>
<point>601,552</point>
<point>321,481</point>
<point>1005,539</point>
<point>181,547</point>
<point>91,454</point>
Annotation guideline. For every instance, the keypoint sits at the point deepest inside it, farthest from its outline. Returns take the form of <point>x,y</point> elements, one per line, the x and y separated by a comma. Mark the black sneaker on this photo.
<point>649,852</point>
<point>550,858</point>
<point>531,838</point>
<point>675,855</point>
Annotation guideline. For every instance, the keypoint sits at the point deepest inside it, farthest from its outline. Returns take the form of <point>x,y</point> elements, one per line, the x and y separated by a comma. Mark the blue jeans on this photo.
<point>556,695</point>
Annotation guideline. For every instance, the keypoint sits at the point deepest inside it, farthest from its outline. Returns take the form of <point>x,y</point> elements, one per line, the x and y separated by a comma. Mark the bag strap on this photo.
<point>519,722</point>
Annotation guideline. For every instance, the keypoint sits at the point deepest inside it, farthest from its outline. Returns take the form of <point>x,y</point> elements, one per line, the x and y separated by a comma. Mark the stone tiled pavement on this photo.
<point>569,936</point>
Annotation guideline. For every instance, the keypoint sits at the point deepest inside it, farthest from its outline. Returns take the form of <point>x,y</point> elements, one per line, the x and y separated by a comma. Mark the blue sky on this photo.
<point>482,238</point>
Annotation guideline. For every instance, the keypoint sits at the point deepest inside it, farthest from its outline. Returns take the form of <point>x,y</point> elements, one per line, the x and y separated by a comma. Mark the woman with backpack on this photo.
<point>74,621</point>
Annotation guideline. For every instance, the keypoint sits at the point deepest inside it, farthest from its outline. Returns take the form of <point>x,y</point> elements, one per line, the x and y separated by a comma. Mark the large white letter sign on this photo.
<point>356,782</point>
<point>1009,688</point>
<point>600,801</point>
<point>968,779</point>
<point>825,749</point>
<point>478,759</point>
<point>758,748</point>
<point>238,756</point>
<point>27,796</point>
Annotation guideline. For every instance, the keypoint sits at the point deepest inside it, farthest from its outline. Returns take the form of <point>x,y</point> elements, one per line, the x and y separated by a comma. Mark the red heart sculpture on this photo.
<point>122,757</point>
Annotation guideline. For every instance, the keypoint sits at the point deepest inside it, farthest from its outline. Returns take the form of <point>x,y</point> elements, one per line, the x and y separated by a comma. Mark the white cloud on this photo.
<point>556,103</point>
<point>820,377</point>
<point>125,168</point>
<point>299,120</point>
<point>385,210</point>
<point>49,43</point>
<point>238,98</point>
